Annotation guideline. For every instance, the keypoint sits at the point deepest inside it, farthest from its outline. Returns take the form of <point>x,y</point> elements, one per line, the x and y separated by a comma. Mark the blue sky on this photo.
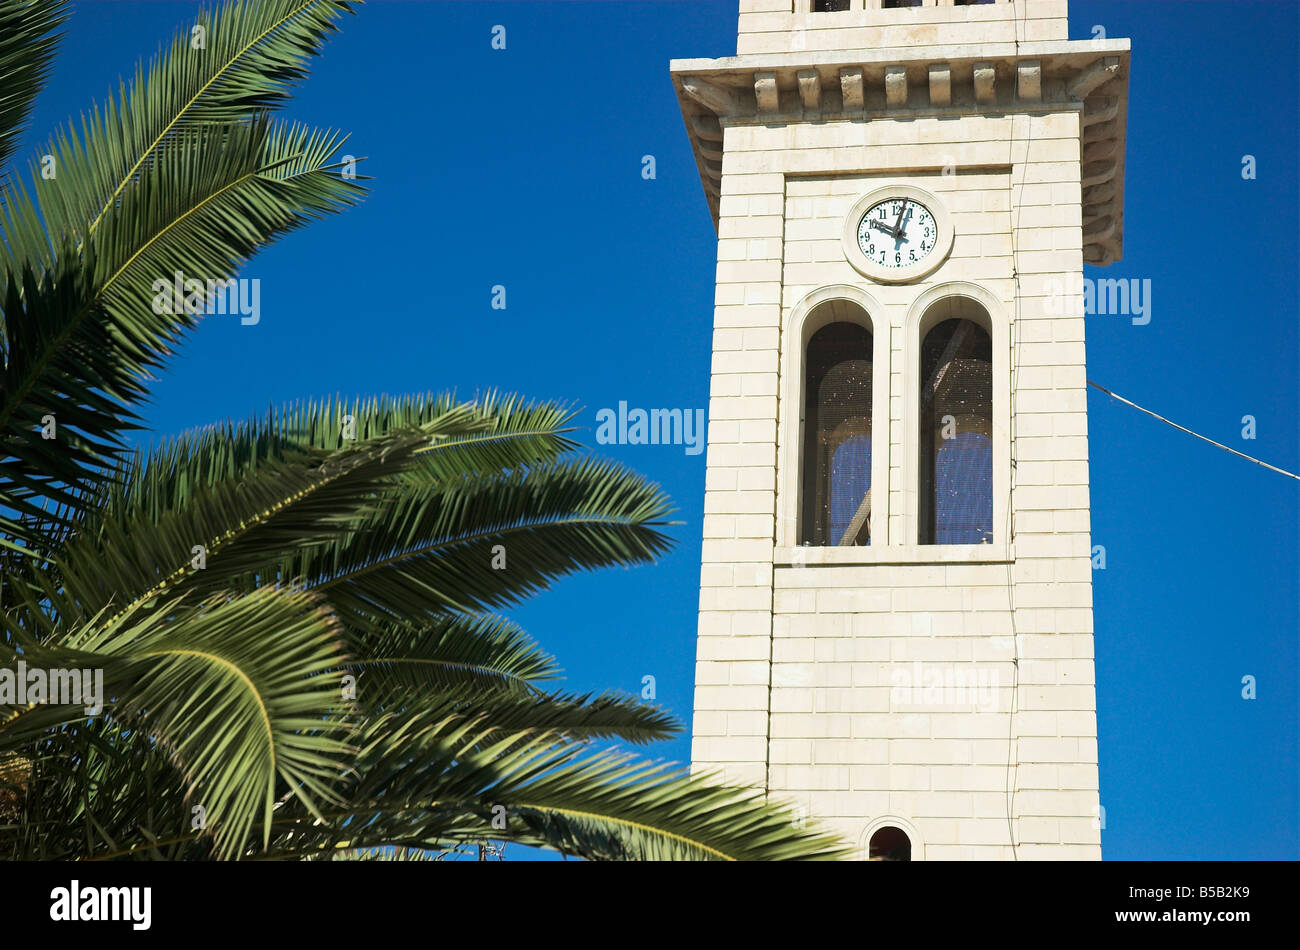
<point>522,168</point>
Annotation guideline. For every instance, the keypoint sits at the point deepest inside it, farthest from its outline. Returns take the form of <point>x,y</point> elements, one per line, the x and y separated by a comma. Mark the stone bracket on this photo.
<point>940,84</point>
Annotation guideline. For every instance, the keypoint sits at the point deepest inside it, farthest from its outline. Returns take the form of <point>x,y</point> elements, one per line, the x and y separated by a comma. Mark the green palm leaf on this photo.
<point>83,339</point>
<point>576,716</point>
<point>231,63</point>
<point>481,652</point>
<point>27,47</point>
<point>432,550</point>
<point>240,694</point>
<point>429,782</point>
<point>98,788</point>
<point>239,527</point>
<point>509,432</point>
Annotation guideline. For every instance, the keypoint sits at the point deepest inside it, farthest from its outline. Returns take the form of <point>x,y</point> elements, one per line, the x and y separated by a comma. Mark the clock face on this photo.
<point>897,233</point>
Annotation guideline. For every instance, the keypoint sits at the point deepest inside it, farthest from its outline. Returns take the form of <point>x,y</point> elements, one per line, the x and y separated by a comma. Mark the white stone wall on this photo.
<point>800,664</point>
<point>782,26</point>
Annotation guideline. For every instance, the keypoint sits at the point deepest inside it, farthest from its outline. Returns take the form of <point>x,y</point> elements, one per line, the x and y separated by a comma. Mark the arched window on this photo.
<point>956,428</point>
<point>889,844</point>
<point>837,437</point>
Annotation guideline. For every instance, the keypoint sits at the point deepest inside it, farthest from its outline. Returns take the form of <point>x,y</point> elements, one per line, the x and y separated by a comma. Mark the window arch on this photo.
<point>891,838</point>
<point>857,461</point>
<point>956,444</point>
<point>889,843</point>
<point>836,450</point>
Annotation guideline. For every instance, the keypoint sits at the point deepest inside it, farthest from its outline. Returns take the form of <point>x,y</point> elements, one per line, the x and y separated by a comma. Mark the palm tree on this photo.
<point>295,617</point>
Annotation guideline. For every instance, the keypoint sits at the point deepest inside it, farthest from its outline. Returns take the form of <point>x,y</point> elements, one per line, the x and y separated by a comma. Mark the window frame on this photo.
<point>891,821</point>
<point>931,456</point>
<point>922,316</point>
<point>820,448</point>
<point>894,512</point>
<point>811,314</point>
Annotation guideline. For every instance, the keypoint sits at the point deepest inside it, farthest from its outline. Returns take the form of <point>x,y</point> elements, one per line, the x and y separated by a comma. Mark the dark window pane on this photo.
<point>837,437</point>
<point>829,6</point>
<point>956,435</point>
<point>902,3</point>
<point>889,844</point>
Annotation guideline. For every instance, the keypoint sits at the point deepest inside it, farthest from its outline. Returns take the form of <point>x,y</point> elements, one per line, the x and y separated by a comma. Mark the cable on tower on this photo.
<point>1249,458</point>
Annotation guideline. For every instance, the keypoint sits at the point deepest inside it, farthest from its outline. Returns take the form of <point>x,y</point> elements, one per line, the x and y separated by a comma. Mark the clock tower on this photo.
<point>895,627</point>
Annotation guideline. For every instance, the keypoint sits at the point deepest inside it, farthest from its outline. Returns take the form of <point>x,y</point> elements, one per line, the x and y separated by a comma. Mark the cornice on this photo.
<point>866,85</point>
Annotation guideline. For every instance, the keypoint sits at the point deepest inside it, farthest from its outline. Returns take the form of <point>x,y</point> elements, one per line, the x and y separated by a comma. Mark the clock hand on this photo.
<point>882,227</point>
<point>898,225</point>
<point>901,234</point>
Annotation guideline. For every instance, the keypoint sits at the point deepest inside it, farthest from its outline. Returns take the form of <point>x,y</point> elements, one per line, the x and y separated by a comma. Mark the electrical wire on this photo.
<point>1008,789</point>
<point>1249,458</point>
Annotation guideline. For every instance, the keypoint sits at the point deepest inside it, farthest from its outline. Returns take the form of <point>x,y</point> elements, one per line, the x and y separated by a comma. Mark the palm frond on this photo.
<point>508,432</point>
<point>83,337</point>
<point>230,64</point>
<point>576,716</point>
<point>428,783</point>
<point>99,788</point>
<point>434,550</point>
<point>238,527</point>
<point>240,693</point>
<point>489,433</point>
<point>385,854</point>
<point>27,46</point>
<point>573,716</point>
<point>481,652</point>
